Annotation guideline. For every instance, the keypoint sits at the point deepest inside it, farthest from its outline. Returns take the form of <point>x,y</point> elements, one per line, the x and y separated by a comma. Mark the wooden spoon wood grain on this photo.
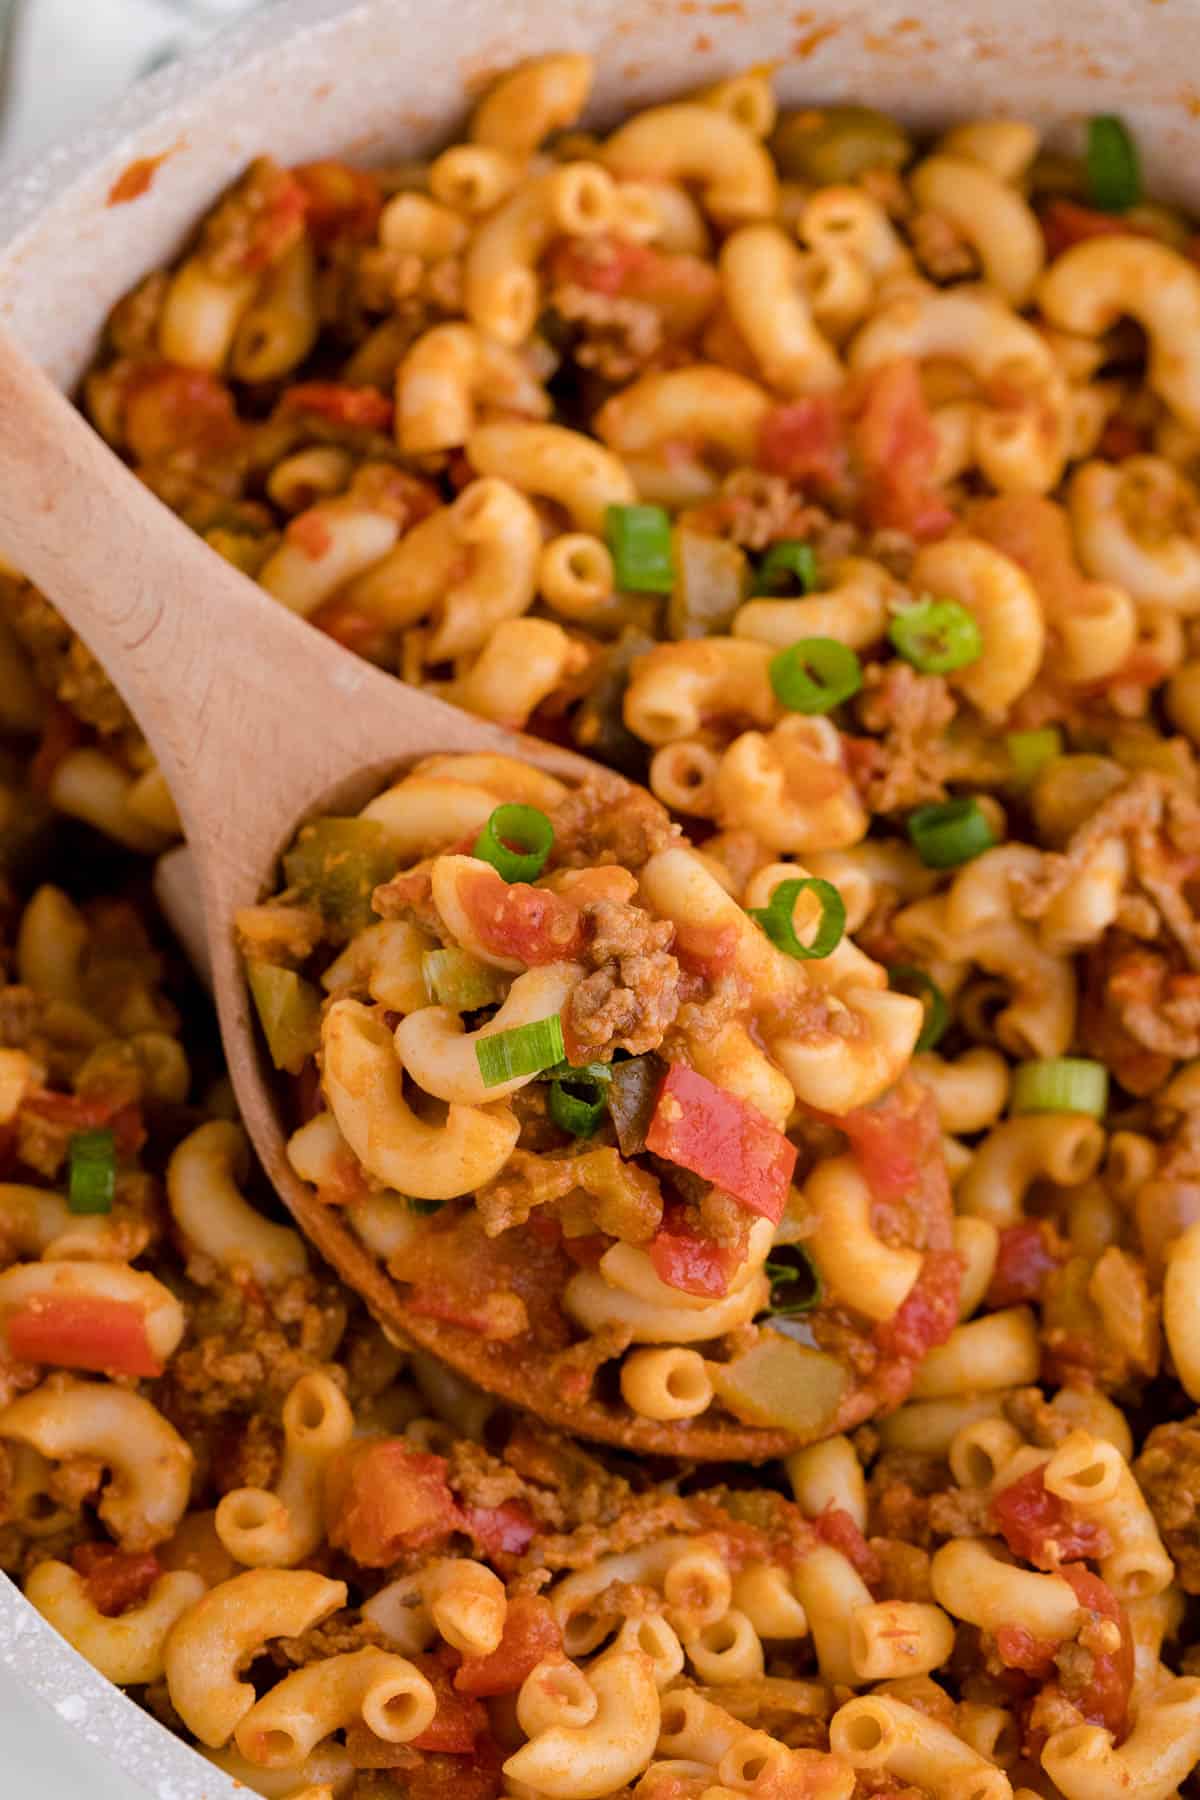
<point>257,721</point>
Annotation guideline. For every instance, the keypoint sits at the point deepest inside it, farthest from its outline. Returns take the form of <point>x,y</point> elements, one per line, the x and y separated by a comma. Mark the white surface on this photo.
<point>67,58</point>
<point>40,1756</point>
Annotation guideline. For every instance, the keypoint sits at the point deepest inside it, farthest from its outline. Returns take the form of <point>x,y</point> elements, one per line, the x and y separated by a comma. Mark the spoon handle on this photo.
<point>242,702</point>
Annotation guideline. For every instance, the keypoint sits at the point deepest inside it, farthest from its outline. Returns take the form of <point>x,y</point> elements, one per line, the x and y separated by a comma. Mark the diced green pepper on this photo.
<point>832,144</point>
<point>598,726</point>
<point>631,1098</point>
<point>456,978</point>
<point>289,1010</point>
<point>1053,175</point>
<point>336,865</point>
<point>783,1384</point>
<point>711,581</point>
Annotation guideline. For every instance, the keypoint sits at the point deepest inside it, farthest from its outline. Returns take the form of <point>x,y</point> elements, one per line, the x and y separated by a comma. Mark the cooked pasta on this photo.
<point>826,1109</point>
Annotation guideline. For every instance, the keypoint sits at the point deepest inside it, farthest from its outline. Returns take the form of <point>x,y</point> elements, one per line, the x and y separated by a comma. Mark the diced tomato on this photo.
<point>498,1287</point>
<point>683,288</point>
<point>897,446</point>
<point>887,1154</point>
<point>460,1718</point>
<point>864,758</point>
<point>1040,1527</point>
<point>406,498</point>
<point>366,1750</point>
<point>806,442</point>
<point>512,919</point>
<point>707,950</point>
<point>531,1633</point>
<point>115,1579</point>
<point>90,1112</point>
<point>897,1144</point>
<point>1018,1648</point>
<point>930,1312</point>
<point>82,1331</point>
<point>836,1528</point>
<point>449,1778</point>
<point>504,1530</point>
<point>1143,667</point>
<point>170,409</point>
<point>411,888</point>
<point>342,201</point>
<point>1066,223</point>
<point>586,1250</point>
<point>275,222</point>
<point>686,1259</point>
<point>1104,1696</point>
<point>726,1140</point>
<point>309,533</point>
<point>1120,439</point>
<point>602,266</point>
<point>341,404</point>
<point>1027,1254</point>
<point>384,1498</point>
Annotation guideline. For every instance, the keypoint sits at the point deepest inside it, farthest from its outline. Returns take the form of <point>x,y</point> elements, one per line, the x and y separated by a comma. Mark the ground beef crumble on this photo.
<point>630,994</point>
<point>908,764</point>
<point>63,664</point>
<point>601,823</point>
<point>1168,1472</point>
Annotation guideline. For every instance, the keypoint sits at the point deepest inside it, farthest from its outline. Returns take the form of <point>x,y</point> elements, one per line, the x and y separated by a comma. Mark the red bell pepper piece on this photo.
<point>728,1142</point>
<point>82,1331</point>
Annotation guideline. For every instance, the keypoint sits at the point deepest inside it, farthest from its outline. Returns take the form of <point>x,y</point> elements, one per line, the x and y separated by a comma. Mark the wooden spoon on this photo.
<point>257,721</point>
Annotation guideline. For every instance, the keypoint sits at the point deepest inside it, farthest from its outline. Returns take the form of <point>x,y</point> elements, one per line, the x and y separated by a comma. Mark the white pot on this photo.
<point>380,77</point>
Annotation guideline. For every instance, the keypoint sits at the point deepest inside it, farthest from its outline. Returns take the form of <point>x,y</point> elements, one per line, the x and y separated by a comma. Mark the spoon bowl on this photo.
<point>260,722</point>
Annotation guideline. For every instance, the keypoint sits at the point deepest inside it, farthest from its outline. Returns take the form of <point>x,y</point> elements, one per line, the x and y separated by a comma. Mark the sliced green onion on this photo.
<point>1114,174</point>
<point>1030,751</point>
<point>594,1073</point>
<point>522,1051</point>
<point>516,840</point>
<point>906,978</point>
<point>787,566</point>
<point>577,1106</point>
<point>936,636</point>
<point>456,978</point>
<point>815,675</point>
<point>796,1285</point>
<point>945,835</point>
<point>777,921</point>
<point>1071,1084</point>
<point>639,538</point>
<point>92,1171</point>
